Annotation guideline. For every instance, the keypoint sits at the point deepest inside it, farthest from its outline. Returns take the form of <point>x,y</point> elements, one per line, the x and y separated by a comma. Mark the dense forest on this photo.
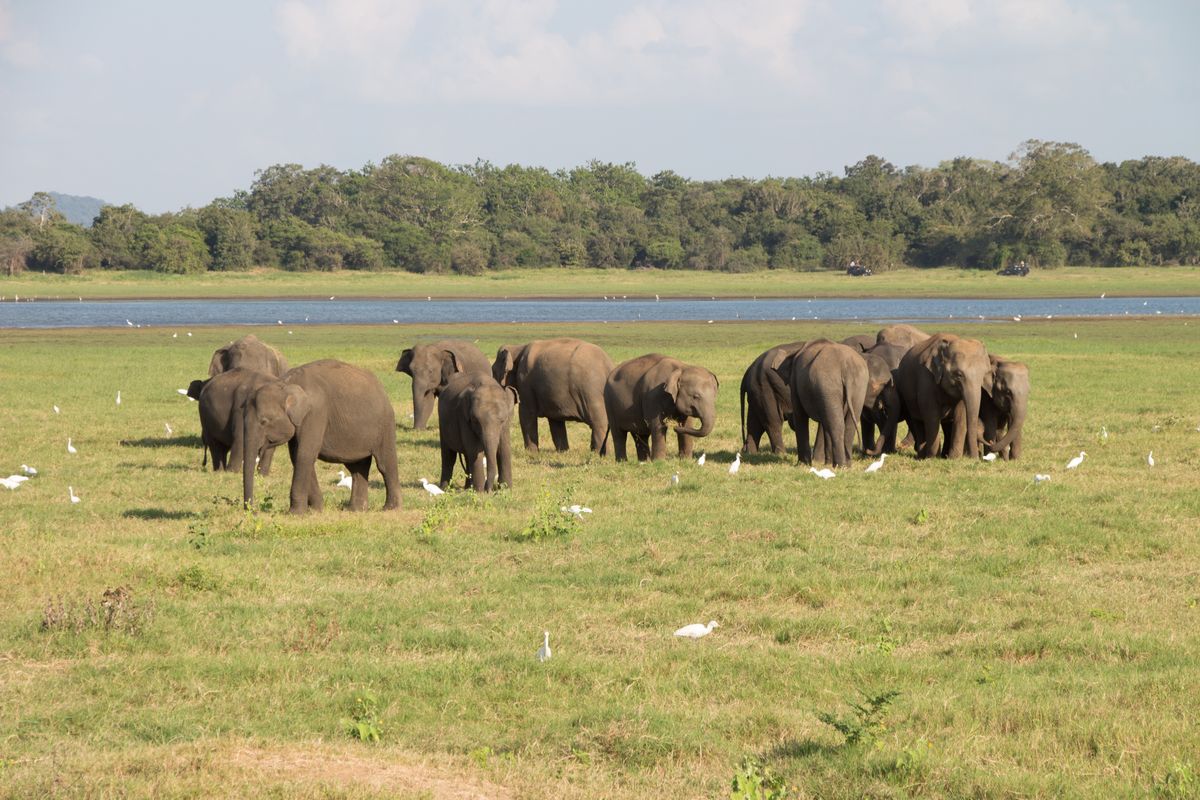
<point>1050,204</point>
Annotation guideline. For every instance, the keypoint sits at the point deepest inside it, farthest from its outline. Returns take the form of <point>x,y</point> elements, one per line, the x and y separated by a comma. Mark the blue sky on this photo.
<point>167,105</point>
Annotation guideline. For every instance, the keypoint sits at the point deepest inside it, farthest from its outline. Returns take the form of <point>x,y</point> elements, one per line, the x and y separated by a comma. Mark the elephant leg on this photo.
<point>754,432</point>
<point>599,426</point>
<point>558,433</point>
<point>360,472</point>
<point>686,444</point>
<point>820,454</point>
<point>658,441</point>
<point>850,430</point>
<point>529,426</point>
<point>803,448</point>
<point>868,435</point>
<point>504,456</point>
<point>1014,449</point>
<point>773,426</point>
<point>928,432</point>
<point>619,441</point>
<point>478,472</point>
<point>220,457</point>
<point>264,465</point>
<point>305,493</point>
<point>448,458</point>
<point>642,445</point>
<point>955,431</point>
<point>385,462</point>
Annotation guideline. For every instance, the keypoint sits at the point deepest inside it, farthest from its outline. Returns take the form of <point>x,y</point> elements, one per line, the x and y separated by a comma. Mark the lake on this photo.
<point>175,313</point>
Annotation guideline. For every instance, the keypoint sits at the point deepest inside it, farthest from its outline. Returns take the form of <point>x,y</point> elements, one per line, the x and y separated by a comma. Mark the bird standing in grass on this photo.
<point>675,479</point>
<point>28,470</point>
<point>696,630</point>
<point>989,457</point>
<point>875,466</point>
<point>736,465</point>
<point>118,397</point>
<point>1040,478</point>
<point>1076,461</point>
<point>576,510</point>
<point>70,447</point>
<point>543,653</point>
<point>432,488</point>
<point>825,473</point>
<point>703,457</point>
<point>12,481</point>
<point>1150,458</point>
<point>345,481</point>
<point>71,494</point>
<point>167,425</point>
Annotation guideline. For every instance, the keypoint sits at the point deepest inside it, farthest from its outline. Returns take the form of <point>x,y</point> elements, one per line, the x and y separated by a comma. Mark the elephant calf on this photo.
<point>643,394</point>
<point>765,399</point>
<point>220,400</point>
<point>829,383</point>
<point>248,352</point>
<point>474,414</point>
<point>431,365</point>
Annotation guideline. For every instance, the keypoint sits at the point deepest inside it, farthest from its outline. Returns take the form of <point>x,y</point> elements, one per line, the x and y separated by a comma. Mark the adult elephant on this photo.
<point>474,414</point>
<point>829,385</point>
<point>561,380</point>
<point>327,410</point>
<point>881,406</point>
<point>248,352</point>
<point>765,400</point>
<point>932,378</point>
<point>862,342</point>
<point>220,400</point>
<point>1002,411</point>
<point>431,365</point>
<point>643,394</point>
<point>900,335</point>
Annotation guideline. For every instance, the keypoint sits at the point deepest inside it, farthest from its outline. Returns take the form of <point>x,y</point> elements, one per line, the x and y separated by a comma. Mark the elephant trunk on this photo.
<point>422,407</point>
<point>252,440</point>
<point>1015,423</point>
<point>707,419</point>
<point>971,400</point>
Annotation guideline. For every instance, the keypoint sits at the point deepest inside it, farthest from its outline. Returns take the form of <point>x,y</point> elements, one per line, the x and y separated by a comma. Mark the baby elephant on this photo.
<point>220,400</point>
<point>474,413</point>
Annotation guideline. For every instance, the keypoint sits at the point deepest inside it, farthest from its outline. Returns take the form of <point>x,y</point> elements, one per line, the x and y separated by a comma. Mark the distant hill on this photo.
<point>79,210</point>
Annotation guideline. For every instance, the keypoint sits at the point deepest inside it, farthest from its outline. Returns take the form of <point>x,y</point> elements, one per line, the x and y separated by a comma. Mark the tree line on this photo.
<point>1050,204</point>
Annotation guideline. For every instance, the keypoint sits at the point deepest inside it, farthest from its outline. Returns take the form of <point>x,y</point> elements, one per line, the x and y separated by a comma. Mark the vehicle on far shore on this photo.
<point>1014,269</point>
<point>857,269</point>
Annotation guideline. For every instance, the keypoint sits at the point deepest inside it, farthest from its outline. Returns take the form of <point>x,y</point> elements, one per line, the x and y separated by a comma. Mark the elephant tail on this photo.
<point>742,411</point>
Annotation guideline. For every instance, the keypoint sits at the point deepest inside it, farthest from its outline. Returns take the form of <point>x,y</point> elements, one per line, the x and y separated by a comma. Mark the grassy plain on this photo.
<point>1044,640</point>
<point>1066,282</point>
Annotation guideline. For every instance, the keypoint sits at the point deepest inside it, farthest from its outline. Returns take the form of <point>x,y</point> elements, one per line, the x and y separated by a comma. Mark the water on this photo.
<point>174,313</point>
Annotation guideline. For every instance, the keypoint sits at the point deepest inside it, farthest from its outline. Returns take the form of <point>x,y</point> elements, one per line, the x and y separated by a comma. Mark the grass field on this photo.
<point>1044,641</point>
<point>1067,282</point>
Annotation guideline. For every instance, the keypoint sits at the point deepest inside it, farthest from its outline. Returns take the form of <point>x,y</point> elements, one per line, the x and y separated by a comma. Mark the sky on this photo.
<point>168,105</point>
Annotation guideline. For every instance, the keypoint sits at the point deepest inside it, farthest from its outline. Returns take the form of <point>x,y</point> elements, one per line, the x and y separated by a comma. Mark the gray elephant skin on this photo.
<point>829,385</point>
<point>881,406</point>
<point>327,410</point>
<point>900,335</point>
<point>248,352</point>
<point>932,378</point>
<point>862,342</point>
<point>220,400</point>
<point>765,399</point>
<point>1002,411</point>
<point>431,365</point>
<point>643,394</point>
<point>474,416</point>
<point>561,380</point>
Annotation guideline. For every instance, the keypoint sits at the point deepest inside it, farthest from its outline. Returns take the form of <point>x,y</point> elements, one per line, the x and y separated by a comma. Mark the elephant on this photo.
<point>881,406</point>
<point>642,394</point>
<point>561,380</point>
<point>430,365</point>
<point>861,342</point>
<point>1003,410</point>
<point>248,352</point>
<point>327,410</point>
<point>220,400</point>
<point>902,335</point>
<point>765,400</point>
<point>829,384</point>
<point>932,378</point>
<point>474,414</point>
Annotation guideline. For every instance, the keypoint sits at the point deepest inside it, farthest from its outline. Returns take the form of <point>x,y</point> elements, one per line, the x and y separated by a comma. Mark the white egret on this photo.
<point>825,473</point>
<point>432,488</point>
<point>28,470</point>
<point>55,409</point>
<point>118,397</point>
<point>174,335</point>
<point>345,481</point>
<point>875,466</point>
<point>189,333</point>
<point>577,510</point>
<point>1103,433</point>
<point>1040,478</point>
<point>71,494</point>
<point>11,481</point>
<point>543,653</point>
<point>674,478</point>
<point>697,630</point>
<point>1076,461</point>
<point>70,447</point>
<point>703,457</point>
<point>167,425</point>
<point>130,324</point>
<point>989,457</point>
<point>736,465</point>
<point>1150,458</point>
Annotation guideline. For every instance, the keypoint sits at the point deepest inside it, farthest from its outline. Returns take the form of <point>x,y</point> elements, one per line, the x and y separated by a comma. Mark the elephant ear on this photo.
<point>714,377</point>
<point>512,391</point>
<point>671,387</point>
<point>450,366</point>
<point>405,363</point>
<point>296,405</point>
<point>505,363</point>
<point>784,368</point>
<point>195,387</point>
<point>217,365</point>
<point>937,364</point>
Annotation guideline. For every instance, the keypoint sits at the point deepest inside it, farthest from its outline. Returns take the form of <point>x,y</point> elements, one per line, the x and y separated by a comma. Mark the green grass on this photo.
<point>1066,282</point>
<point>1044,641</point>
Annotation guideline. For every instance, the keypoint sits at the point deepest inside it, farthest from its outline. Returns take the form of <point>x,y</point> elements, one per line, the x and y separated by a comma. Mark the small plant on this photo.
<point>439,518</point>
<point>886,643</point>
<point>363,723</point>
<point>548,521</point>
<point>314,637</point>
<point>1181,782</point>
<point>985,675</point>
<point>481,756</point>
<point>866,721</point>
<point>755,781</point>
<point>921,517</point>
<point>197,578</point>
<point>115,611</point>
<point>913,761</point>
<point>198,535</point>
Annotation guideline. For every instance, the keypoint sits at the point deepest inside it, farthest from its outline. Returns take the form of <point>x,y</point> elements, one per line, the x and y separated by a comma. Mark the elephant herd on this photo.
<point>332,411</point>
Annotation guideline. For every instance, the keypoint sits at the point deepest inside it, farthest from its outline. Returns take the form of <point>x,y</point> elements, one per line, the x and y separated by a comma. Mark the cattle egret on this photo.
<point>55,409</point>
<point>344,480</point>
<point>674,478</point>
<point>189,333</point>
<point>174,335</point>
<point>824,473</point>
<point>703,457</point>
<point>1103,433</point>
<point>736,465</point>
<point>696,630</point>
<point>1040,478</point>
<point>118,397</point>
<point>28,470</point>
<point>1076,461</point>
<point>130,324</point>
<point>1150,458</point>
<point>1102,295</point>
<point>70,447</point>
<point>432,488</point>
<point>577,510</point>
<point>11,481</point>
<point>1017,318</point>
<point>989,457</point>
<point>543,653</point>
<point>167,425</point>
<point>875,466</point>
<point>71,494</point>
<point>656,298</point>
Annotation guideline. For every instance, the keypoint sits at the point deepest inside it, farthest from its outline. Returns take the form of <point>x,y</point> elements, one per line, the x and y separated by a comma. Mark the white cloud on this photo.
<point>923,22</point>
